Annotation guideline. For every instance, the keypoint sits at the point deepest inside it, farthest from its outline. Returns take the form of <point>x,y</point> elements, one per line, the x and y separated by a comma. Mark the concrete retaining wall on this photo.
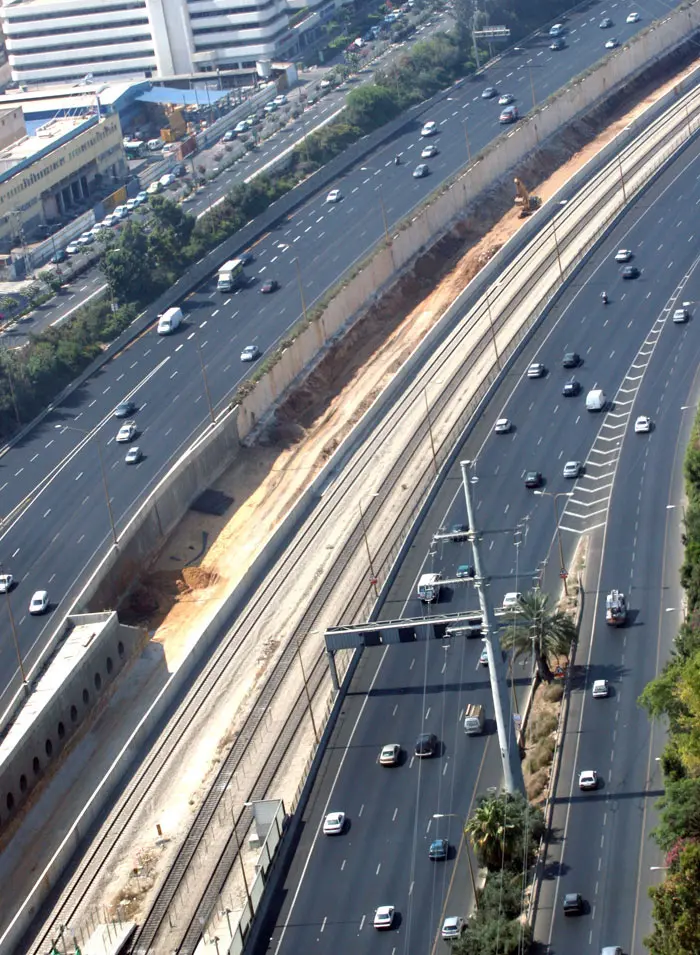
<point>94,652</point>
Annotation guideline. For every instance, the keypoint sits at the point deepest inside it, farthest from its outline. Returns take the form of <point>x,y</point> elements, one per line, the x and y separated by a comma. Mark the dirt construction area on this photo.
<point>209,552</point>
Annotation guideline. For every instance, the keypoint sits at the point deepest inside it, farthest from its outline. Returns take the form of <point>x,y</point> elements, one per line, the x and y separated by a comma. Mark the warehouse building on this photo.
<point>51,41</point>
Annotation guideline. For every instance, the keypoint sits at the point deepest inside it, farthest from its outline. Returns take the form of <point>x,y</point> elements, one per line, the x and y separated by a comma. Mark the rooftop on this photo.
<point>46,135</point>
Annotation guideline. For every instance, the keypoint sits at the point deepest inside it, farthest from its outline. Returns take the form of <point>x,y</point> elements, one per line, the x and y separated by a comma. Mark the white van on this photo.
<point>474,719</point>
<point>595,400</point>
<point>169,321</point>
<point>512,601</point>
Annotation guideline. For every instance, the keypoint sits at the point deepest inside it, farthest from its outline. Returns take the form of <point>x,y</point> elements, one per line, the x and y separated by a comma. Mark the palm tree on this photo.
<point>493,831</point>
<point>538,629</point>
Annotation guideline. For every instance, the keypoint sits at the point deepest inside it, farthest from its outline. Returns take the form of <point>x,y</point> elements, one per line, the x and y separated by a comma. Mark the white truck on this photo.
<point>169,321</point>
<point>595,400</point>
<point>230,276</point>
<point>474,719</point>
<point>429,588</point>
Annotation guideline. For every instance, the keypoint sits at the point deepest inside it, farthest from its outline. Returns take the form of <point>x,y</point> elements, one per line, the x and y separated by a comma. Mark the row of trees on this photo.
<point>675,696</point>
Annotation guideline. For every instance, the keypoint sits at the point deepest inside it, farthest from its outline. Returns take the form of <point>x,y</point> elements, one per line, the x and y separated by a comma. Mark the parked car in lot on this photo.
<point>72,248</point>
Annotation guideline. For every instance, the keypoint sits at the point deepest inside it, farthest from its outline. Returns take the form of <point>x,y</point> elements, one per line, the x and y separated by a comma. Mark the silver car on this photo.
<point>572,469</point>
<point>536,370</point>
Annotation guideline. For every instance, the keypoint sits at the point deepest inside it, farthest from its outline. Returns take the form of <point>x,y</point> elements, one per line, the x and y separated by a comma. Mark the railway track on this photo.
<point>163,754</point>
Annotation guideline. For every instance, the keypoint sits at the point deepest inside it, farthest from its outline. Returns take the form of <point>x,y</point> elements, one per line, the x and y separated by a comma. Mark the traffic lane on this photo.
<point>407,803</point>
<point>632,653</point>
<point>376,232</point>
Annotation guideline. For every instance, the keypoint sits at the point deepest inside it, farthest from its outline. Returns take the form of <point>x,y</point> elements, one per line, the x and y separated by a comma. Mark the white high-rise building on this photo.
<point>50,41</point>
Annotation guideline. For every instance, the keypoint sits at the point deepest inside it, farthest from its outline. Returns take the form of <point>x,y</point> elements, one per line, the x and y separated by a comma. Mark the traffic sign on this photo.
<point>563,574</point>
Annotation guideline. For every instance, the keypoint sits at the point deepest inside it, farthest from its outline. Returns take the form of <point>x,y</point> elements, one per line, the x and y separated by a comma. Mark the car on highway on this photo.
<point>571,359</point>
<point>72,248</point>
<point>124,409</point>
<point>452,927</point>
<point>502,426</point>
<point>426,745</point>
<point>633,17</point>
<point>512,600</point>
<point>557,29</point>
<point>459,532</point>
<point>438,850</point>
<point>334,823</point>
<point>533,479</point>
<point>6,581</point>
<point>420,171</point>
<point>611,950</point>
<point>389,754</point>
<point>536,370</point>
<point>429,151</point>
<point>623,255</point>
<point>489,92</point>
<point>270,286</point>
<point>250,353</point>
<point>600,689</point>
<point>133,455</point>
<point>39,602</point>
<point>464,571</point>
<point>509,115</point>
<point>334,195</point>
<point>384,916</point>
<point>572,904</point>
<point>484,657</point>
<point>642,425</point>
<point>612,43</point>
<point>505,99</point>
<point>605,23</point>
<point>429,128</point>
<point>588,779</point>
<point>558,43</point>
<point>680,315</point>
<point>245,258</point>
<point>630,272</point>
<point>127,432</point>
<point>571,388</point>
<point>573,469</point>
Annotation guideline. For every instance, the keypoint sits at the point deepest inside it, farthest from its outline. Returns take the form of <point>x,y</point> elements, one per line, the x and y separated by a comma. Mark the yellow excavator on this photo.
<point>527,202</point>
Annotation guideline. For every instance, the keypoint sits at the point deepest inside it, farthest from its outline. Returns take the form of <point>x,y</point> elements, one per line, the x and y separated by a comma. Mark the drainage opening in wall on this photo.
<point>120,649</point>
<point>86,697</point>
<point>98,681</point>
<point>73,714</point>
<point>61,731</point>
<point>10,802</point>
<point>109,665</point>
<point>36,765</point>
<point>23,783</point>
<point>48,746</point>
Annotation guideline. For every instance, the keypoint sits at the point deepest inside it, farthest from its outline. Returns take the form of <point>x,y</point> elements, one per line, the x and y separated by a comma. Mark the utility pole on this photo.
<point>510,755</point>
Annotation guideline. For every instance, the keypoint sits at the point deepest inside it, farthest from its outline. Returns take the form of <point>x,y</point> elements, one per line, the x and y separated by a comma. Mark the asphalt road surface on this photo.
<point>66,525</point>
<point>336,883</point>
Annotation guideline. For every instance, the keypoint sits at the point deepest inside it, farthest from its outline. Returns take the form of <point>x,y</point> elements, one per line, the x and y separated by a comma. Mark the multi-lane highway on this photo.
<point>336,883</point>
<point>66,524</point>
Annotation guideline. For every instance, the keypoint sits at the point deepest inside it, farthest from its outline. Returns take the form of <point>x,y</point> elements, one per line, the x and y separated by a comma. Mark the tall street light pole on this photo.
<point>204,379</point>
<point>70,427</point>
<point>306,691</point>
<point>301,290</point>
<point>15,640</point>
<point>493,331</point>
<point>510,755</point>
<point>563,572</point>
<point>367,547</point>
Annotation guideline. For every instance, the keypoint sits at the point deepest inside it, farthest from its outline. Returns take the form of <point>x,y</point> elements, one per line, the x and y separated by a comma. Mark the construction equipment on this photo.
<point>615,609</point>
<point>527,202</point>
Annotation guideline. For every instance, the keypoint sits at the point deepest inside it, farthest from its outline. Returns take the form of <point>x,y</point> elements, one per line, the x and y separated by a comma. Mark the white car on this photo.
<point>121,212</point>
<point>536,370</point>
<point>572,469</point>
<point>484,657</point>
<point>429,151</point>
<point>588,779</point>
<point>612,43</point>
<point>133,455</point>
<point>623,255</point>
<point>72,248</point>
<point>633,18</point>
<point>452,927</point>
<point>87,238</point>
<point>154,188</point>
<point>502,426</point>
<point>389,755</point>
<point>600,689</point>
<point>97,230</point>
<point>506,99</point>
<point>681,315</point>
<point>109,221</point>
<point>167,180</point>
<point>127,432</point>
<point>384,916</point>
<point>334,823</point>
<point>131,204</point>
<point>334,195</point>
<point>512,600</point>
<point>429,128</point>
<point>240,127</point>
<point>39,602</point>
<point>642,425</point>
<point>5,583</point>
<point>250,353</point>
<point>281,100</point>
<point>141,198</point>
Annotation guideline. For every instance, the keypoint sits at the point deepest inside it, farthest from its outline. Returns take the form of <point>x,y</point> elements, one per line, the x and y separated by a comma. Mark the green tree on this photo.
<point>504,829</point>
<point>679,815</point>
<point>51,280</point>
<point>677,907</point>
<point>127,267</point>
<point>537,628</point>
<point>170,217</point>
<point>501,896</point>
<point>370,106</point>
<point>493,936</point>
